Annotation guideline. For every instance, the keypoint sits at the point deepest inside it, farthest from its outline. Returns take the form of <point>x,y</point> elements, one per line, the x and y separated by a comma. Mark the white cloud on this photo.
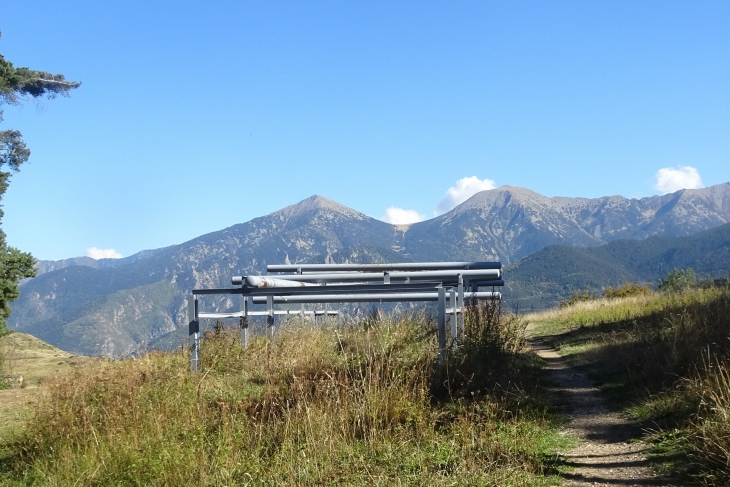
<point>464,189</point>
<point>95,253</point>
<point>669,179</point>
<point>399,216</point>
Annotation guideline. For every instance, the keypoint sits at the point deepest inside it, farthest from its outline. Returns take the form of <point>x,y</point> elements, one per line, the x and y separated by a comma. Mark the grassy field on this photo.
<point>360,404</point>
<point>665,360</point>
<point>35,360</point>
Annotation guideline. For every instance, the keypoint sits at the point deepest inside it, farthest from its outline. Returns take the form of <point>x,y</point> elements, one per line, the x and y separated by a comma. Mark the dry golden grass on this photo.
<point>327,406</point>
<point>36,361</point>
<point>666,358</point>
<point>567,315</point>
<point>710,429</point>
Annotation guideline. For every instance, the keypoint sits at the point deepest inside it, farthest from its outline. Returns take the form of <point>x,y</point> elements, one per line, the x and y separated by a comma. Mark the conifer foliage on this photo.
<point>18,85</point>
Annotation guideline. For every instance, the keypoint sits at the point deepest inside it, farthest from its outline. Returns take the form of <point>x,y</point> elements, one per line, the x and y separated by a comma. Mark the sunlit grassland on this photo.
<point>33,359</point>
<point>361,404</point>
<point>665,359</point>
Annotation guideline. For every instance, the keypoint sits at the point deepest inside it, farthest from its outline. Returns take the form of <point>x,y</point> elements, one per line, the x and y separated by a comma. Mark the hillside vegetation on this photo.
<point>665,360</point>
<point>354,405</point>
<point>552,274</point>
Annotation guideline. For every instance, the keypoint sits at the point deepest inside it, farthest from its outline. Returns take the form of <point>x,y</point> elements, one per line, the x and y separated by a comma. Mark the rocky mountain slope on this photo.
<point>509,223</point>
<point>116,308</point>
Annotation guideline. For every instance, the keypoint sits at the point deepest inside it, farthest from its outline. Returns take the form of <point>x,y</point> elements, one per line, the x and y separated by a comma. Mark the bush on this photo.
<point>489,357</point>
<point>627,290</point>
<point>678,280</point>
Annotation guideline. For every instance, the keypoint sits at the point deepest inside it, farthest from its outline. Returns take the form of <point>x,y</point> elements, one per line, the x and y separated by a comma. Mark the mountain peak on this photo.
<point>316,203</point>
<point>500,196</point>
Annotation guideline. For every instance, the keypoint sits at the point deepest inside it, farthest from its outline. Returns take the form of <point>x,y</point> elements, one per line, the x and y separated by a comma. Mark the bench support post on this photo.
<point>270,318</point>
<point>193,332</point>
<point>244,321</point>
<point>442,325</point>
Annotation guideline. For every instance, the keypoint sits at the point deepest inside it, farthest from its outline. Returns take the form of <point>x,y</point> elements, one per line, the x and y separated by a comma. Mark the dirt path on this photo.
<point>607,452</point>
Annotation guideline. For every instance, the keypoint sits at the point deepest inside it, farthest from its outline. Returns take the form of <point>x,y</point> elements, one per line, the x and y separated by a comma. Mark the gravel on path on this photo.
<point>609,451</point>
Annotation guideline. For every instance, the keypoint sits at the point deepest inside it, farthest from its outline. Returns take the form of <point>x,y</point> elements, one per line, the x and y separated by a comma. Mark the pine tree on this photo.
<point>16,86</point>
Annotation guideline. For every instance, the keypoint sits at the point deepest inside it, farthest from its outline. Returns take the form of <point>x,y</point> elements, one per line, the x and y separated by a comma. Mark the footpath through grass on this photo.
<point>665,360</point>
<point>364,404</point>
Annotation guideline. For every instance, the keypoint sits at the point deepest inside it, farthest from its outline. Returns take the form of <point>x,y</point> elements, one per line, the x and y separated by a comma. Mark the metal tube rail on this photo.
<point>239,314</point>
<point>349,288</point>
<point>451,275</point>
<point>352,283</point>
<point>295,312</point>
<point>404,266</point>
<point>218,316</point>
<point>262,281</point>
<point>369,298</point>
<point>330,289</point>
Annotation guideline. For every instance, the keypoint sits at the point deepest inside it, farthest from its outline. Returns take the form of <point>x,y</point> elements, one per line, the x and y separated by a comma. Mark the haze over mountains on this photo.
<point>112,307</point>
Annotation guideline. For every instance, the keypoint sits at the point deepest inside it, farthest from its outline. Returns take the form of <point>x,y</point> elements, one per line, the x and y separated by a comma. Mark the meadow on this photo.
<point>364,403</point>
<point>368,403</point>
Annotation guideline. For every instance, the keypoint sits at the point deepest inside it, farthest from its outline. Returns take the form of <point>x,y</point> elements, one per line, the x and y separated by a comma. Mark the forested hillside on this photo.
<point>552,274</point>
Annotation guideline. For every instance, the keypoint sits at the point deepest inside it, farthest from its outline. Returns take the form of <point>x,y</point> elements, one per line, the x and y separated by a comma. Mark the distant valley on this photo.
<point>551,246</point>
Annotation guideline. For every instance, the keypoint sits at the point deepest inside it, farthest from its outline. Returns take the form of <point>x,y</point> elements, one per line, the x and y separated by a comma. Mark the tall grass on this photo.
<point>709,429</point>
<point>649,341</point>
<point>7,356</point>
<point>667,357</point>
<point>490,357</point>
<point>339,406</point>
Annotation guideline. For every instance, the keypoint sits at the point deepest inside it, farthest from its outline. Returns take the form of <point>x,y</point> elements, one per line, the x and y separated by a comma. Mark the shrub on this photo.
<point>627,290</point>
<point>678,280</point>
<point>488,357</point>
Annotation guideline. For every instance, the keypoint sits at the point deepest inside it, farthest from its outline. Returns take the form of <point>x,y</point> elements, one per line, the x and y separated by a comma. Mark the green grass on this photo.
<point>663,359</point>
<point>361,404</point>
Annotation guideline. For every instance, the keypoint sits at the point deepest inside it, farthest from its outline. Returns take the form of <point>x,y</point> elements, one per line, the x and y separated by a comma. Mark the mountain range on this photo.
<point>549,275</point>
<point>115,307</point>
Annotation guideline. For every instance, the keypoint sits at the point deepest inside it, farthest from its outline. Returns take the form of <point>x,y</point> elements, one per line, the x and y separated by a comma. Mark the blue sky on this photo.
<point>194,116</point>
